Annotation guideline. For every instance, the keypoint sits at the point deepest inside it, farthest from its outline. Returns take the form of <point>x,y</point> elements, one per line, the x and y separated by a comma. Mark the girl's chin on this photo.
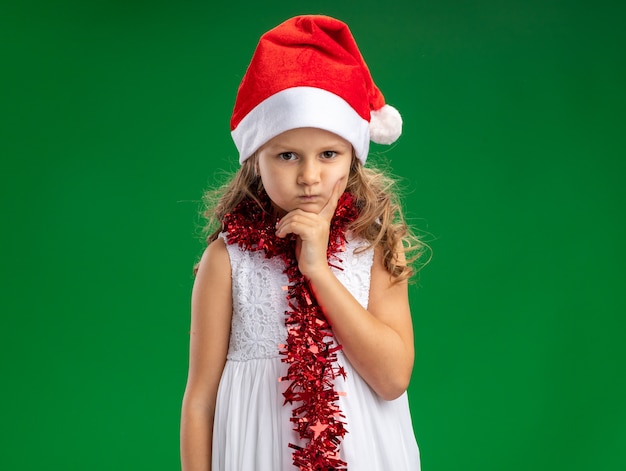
<point>312,207</point>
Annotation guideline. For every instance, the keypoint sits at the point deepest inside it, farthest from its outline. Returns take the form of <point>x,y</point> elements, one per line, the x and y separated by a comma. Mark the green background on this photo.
<point>114,119</point>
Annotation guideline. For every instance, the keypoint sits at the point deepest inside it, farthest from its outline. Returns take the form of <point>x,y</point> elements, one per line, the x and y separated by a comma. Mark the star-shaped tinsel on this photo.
<point>310,349</point>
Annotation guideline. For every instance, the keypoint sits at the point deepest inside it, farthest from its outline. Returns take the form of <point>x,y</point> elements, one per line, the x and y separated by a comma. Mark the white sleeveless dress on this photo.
<point>251,429</point>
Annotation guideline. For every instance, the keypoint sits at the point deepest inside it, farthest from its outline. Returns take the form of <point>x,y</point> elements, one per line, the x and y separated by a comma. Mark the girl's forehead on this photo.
<point>307,137</point>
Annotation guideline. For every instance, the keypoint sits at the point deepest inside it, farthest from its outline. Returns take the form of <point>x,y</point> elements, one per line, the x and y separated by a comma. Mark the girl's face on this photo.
<point>300,167</point>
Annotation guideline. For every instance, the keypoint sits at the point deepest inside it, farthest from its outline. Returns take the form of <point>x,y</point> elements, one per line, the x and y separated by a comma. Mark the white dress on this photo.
<point>251,429</point>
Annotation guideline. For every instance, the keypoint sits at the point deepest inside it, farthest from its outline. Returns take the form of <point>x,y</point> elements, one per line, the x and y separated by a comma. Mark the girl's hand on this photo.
<point>312,230</point>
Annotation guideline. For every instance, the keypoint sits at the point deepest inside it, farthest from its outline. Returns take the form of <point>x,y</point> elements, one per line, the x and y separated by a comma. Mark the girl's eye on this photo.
<point>329,154</point>
<point>287,156</point>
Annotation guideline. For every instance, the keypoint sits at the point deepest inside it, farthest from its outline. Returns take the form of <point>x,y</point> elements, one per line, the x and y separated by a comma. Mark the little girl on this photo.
<point>301,345</point>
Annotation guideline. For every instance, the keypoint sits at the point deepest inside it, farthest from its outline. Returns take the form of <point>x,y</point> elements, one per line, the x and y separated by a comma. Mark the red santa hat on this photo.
<point>308,72</point>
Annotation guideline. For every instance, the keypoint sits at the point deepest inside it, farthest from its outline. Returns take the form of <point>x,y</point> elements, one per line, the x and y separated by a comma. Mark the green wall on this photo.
<point>114,119</point>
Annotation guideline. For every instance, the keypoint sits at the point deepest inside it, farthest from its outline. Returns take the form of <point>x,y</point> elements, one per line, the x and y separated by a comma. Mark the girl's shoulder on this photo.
<point>214,257</point>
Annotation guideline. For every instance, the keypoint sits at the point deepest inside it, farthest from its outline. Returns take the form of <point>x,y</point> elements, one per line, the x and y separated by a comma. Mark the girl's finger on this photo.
<point>293,224</point>
<point>328,211</point>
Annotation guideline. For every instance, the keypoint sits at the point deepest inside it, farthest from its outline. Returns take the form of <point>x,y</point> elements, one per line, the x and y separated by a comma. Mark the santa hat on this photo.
<point>308,72</point>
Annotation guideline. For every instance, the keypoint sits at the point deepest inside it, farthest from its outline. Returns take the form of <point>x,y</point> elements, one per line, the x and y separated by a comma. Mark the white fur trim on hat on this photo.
<point>385,125</point>
<point>301,107</point>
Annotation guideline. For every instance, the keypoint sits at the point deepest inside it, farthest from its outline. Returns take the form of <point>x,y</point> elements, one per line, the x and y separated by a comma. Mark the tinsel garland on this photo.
<point>310,349</point>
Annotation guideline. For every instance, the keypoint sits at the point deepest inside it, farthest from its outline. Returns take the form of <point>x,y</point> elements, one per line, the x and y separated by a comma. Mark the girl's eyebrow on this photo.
<point>337,144</point>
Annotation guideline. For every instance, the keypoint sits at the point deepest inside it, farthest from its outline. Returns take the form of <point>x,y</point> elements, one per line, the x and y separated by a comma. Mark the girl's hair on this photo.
<point>380,222</point>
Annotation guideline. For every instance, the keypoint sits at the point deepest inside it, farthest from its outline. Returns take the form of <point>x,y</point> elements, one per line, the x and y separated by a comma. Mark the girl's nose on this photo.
<point>309,172</point>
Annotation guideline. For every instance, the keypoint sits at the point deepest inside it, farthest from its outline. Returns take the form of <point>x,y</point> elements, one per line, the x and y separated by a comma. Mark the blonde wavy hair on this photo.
<point>381,221</point>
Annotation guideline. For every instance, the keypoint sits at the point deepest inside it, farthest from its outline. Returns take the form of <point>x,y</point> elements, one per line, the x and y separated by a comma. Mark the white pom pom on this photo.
<point>385,125</point>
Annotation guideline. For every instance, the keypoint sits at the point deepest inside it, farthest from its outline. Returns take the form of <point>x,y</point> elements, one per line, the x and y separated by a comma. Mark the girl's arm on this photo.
<point>377,341</point>
<point>211,311</point>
